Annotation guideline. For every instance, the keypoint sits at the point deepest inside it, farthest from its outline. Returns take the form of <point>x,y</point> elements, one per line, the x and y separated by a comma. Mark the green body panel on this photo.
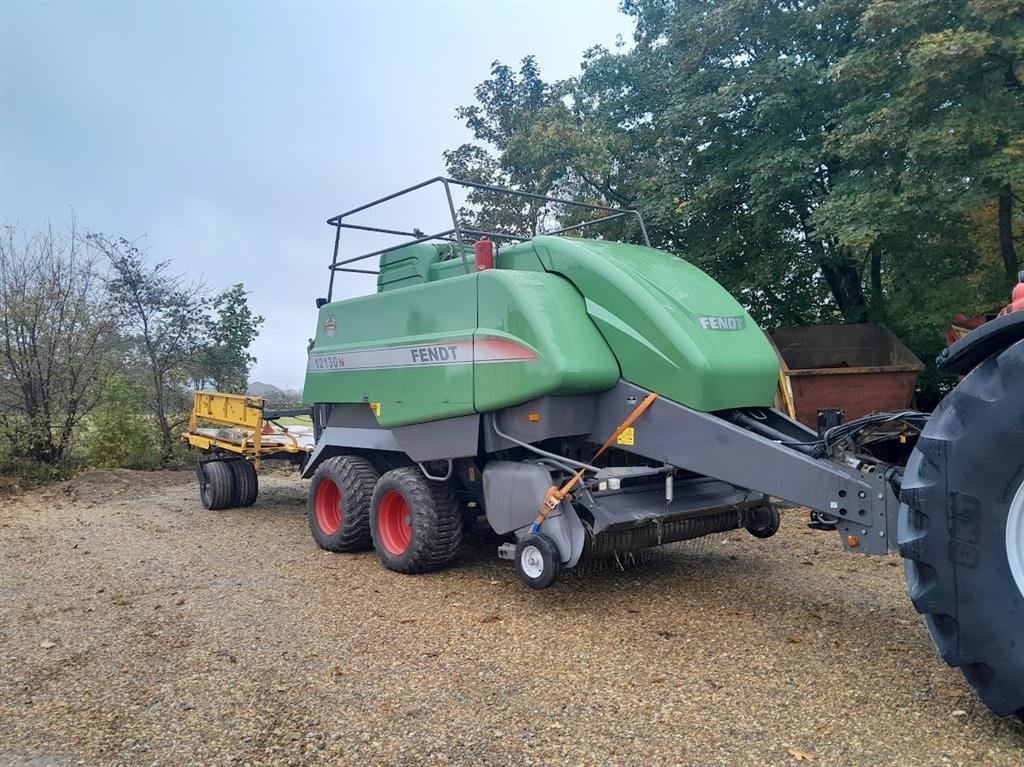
<point>420,263</point>
<point>451,267</point>
<point>547,313</point>
<point>521,257</point>
<point>557,316</point>
<point>673,329</point>
<point>412,316</point>
<point>507,336</point>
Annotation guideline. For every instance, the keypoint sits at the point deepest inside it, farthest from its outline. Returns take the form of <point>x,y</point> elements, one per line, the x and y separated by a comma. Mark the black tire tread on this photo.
<point>951,436</point>
<point>219,483</point>
<point>246,483</point>
<point>356,478</point>
<point>766,523</point>
<point>437,521</point>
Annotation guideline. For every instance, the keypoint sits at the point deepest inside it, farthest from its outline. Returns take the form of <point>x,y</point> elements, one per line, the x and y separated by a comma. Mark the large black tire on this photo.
<point>416,523</point>
<point>339,503</point>
<point>216,484</point>
<point>958,488</point>
<point>246,483</point>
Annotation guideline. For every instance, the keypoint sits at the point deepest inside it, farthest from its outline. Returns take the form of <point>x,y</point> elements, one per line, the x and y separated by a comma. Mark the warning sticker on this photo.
<point>627,437</point>
<point>375,407</point>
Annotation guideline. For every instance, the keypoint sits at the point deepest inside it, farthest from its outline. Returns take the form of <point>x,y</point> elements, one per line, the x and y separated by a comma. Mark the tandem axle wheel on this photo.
<point>227,484</point>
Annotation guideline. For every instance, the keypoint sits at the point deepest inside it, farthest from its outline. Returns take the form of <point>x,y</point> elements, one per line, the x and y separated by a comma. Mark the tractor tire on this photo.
<point>247,484</point>
<point>216,484</point>
<point>961,529</point>
<point>416,523</point>
<point>339,503</point>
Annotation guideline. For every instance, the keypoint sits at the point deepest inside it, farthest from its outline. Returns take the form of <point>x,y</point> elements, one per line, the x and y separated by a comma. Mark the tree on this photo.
<point>58,340</point>
<point>930,124</point>
<point>225,362</point>
<point>164,319</point>
<point>508,106</point>
<point>631,132</point>
<point>740,116</point>
<point>528,138</point>
<point>824,159</point>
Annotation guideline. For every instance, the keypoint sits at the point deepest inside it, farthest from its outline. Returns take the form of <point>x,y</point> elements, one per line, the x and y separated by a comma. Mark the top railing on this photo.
<point>458,234</point>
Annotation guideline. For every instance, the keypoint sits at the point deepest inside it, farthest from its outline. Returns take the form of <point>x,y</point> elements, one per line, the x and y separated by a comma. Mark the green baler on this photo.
<point>589,398</point>
<point>555,316</point>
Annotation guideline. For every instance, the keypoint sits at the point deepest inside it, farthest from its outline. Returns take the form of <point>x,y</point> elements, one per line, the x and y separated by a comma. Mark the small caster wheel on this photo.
<point>537,561</point>
<point>765,522</point>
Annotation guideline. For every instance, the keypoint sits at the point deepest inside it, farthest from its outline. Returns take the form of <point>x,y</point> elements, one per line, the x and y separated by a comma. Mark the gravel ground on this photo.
<point>136,628</point>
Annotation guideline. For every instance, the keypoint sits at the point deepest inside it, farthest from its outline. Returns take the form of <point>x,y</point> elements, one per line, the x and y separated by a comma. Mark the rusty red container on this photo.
<point>859,369</point>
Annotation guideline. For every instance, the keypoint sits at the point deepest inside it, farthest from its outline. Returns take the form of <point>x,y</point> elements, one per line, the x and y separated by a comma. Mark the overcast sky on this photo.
<point>227,133</point>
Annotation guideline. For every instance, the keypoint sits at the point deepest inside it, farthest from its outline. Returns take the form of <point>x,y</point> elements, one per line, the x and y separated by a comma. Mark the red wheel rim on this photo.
<point>394,522</point>
<point>328,507</point>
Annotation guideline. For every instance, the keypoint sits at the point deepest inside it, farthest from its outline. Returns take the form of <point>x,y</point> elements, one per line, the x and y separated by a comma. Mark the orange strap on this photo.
<point>555,495</point>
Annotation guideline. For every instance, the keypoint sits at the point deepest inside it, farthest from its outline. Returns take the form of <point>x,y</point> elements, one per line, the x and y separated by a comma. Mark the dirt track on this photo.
<point>138,628</point>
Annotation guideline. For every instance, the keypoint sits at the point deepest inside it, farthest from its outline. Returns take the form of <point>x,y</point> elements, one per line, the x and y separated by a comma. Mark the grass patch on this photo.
<point>300,420</point>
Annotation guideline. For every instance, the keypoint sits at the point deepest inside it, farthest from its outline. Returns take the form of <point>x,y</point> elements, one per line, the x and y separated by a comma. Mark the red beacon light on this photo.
<point>483,250</point>
<point>1017,301</point>
<point>1018,298</point>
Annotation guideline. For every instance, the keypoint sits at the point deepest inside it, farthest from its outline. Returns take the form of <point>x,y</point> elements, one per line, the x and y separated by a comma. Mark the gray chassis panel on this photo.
<point>514,493</point>
<point>352,425</point>
<point>559,416</point>
<point>708,445</point>
<point>347,437</point>
<point>437,440</point>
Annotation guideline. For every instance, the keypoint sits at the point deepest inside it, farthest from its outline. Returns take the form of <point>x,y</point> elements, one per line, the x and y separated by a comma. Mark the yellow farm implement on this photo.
<point>235,432</point>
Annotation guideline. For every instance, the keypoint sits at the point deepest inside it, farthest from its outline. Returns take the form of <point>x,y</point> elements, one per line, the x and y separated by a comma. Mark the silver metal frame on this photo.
<point>457,234</point>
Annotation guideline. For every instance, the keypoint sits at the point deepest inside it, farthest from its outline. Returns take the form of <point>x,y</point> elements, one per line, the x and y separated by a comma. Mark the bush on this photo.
<point>18,472</point>
<point>118,434</point>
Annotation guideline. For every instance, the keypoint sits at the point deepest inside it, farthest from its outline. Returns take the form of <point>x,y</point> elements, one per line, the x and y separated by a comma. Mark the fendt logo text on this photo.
<point>721,323</point>
<point>422,354</point>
